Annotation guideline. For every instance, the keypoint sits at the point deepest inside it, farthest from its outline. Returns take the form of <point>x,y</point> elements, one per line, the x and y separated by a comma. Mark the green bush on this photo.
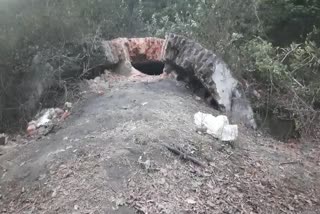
<point>34,26</point>
<point>272,44</point>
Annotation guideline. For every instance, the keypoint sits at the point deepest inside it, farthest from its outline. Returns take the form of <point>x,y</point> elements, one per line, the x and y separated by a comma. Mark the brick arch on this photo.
<point>189,59</point>
<point>137,50</point>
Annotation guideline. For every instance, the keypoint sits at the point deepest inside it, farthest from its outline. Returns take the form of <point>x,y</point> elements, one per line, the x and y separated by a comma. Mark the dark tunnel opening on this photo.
<point>149,68</point>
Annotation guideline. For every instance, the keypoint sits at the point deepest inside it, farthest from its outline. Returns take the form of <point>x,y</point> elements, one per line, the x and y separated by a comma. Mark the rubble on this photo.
<point>98,85</point>
<point>67,105</point>
<point>47,118</point>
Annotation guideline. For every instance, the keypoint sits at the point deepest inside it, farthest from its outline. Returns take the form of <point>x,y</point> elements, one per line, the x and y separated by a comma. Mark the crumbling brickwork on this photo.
<point>135,49</point>
<point>189,60</point>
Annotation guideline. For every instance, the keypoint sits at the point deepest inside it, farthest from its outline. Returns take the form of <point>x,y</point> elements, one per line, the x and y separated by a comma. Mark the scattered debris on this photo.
<point>148,165</point>
<point>68,105</point>
<point>144,164</point>
<point>47,119</point>
<point>3,139</point>
<point>120,202</point>
<point>179,151</point>
<point>99,85</point>
<point>56,152</point>
<point>191,201</point>
<point>65,115</point>
<point>54,193</point>
<point>32,128</point>
<point>218,126</point>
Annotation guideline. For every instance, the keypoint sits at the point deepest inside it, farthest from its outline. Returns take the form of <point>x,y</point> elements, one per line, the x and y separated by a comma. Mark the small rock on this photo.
<point>58,111</point>
<point>256,94</point>
<point>42,177</point>
<point>197,98</point>
<point>210,204</point>
<point>144,164</point>
<point>3,139</point>
<point>291,208</point>
<point>100,92</point>
<point>76,207</point>
<point>54,194</point>
<point>191,201</point>
<point>32,128</point>
<point>68,105</point>
<point>216,191</point>
<point>120,202</point>
<point>97,79</point>
<point>164,171</point>
<point>162,181</point>
<point>69,147</point>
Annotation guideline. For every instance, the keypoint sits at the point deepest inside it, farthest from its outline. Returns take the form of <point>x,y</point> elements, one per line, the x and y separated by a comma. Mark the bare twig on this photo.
<point>183,155</point>
<point>290,163</point>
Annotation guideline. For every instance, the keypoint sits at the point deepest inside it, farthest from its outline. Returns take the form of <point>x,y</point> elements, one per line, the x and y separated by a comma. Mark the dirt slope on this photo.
<point>109,158</point>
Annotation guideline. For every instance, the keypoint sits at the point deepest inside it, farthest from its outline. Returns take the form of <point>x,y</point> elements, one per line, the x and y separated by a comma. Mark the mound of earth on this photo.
<point>110,157</point>
<point>175,54</point>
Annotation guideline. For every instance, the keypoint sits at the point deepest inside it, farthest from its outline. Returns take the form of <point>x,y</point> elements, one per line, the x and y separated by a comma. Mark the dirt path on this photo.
<point>109,158</point>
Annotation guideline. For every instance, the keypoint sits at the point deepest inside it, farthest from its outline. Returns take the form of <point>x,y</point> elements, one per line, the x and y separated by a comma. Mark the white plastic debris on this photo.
<point>45,118</point>
<point>218,127</point>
